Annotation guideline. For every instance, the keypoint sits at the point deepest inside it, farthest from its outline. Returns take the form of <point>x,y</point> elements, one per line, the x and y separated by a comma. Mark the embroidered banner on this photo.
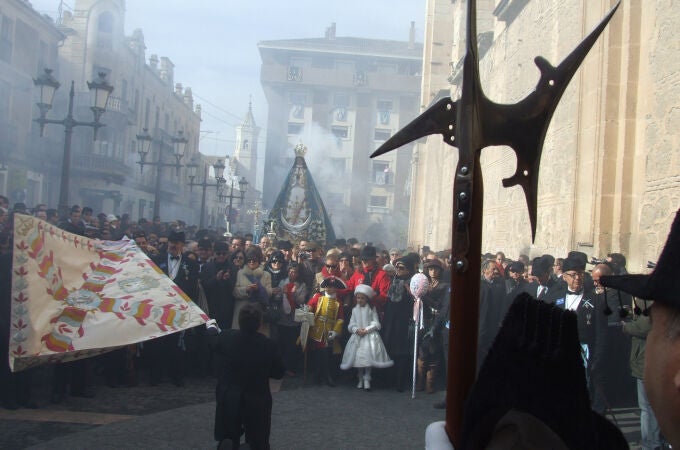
<point>74,297</point>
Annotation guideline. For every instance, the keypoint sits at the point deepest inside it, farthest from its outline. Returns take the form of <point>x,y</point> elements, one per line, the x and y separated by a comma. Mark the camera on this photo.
<point>595,261</point>
<point>305,254</point>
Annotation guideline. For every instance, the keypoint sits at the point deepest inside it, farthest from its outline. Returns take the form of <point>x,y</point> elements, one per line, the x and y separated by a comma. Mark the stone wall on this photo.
<point>610,170</point>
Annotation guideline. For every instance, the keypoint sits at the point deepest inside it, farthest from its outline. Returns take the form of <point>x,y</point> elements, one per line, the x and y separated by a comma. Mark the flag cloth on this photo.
<point>74,297</point>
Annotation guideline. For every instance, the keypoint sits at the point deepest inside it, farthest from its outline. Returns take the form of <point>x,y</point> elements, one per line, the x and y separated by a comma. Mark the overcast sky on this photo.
<point>213,44</point>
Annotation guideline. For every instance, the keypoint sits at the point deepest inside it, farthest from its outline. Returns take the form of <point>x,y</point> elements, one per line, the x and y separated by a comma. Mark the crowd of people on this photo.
<point>356,299</point>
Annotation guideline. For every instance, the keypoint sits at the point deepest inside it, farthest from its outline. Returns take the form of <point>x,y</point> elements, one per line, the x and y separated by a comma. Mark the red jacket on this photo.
<point>380,282</point>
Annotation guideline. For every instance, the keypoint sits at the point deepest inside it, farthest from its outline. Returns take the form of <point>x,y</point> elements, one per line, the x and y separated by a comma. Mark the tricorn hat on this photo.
<point>541,340</point>
<point>661,285</point>
<point>333,282</point>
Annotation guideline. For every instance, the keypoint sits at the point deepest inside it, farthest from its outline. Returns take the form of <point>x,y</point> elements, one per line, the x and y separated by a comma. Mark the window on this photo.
<point>340,132</point>
<point>384,109</point>
<point>341,100</point>
<point>245,145</point>
<point>295,128</point>
<point>294,73</point>
<point>298,101</point>
<point>379,201</point>
<point>6,32</point>
<point>381,173</point>
<point>105,30</point>
<point>382,135</point>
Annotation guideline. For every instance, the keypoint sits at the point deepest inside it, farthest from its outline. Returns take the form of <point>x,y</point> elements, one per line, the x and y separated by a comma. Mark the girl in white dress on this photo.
<point>365,348</point>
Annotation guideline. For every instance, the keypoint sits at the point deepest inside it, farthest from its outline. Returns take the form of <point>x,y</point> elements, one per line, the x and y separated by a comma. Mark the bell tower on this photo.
<point>245,151</point>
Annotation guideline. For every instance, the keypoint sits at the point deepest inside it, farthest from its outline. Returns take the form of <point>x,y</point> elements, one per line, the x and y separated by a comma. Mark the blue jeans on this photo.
<point>649,427</point>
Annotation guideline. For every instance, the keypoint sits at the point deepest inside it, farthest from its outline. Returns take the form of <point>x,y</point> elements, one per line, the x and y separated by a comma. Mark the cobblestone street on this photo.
<point>304,417</point>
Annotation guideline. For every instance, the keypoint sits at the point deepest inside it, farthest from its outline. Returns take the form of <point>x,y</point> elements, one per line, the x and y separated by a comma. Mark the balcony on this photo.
<point>102,167</point>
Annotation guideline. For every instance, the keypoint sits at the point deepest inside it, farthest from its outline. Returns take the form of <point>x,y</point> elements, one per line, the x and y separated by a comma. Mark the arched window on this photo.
<point>245,145</point>
<point>105,30</point>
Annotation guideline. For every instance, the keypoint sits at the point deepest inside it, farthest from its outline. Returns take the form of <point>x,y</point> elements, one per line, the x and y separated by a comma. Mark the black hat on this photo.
<point>573,263</point>
<point>663,284</point>
<point>410,260</point>
<point>541,265</point>
<point>205,244</point>
<point>333,282</point>
<point>176,236</point>
<point>284,245</point>
<point>580,256</point>
<point>367,252</point>
<point>516,266</point>
<point>221,246</point>
<point>433,263</point>
<point>534,369</point>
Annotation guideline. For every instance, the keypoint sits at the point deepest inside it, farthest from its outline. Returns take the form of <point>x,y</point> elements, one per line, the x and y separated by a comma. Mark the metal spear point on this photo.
<point>470,124</point>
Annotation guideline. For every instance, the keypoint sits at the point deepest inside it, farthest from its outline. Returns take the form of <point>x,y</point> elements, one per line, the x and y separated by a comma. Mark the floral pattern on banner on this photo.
<point>74,297</point>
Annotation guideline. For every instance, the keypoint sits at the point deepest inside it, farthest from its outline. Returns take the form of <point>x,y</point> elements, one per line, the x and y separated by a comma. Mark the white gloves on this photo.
<point>212,328</point>
<point>332,335</point>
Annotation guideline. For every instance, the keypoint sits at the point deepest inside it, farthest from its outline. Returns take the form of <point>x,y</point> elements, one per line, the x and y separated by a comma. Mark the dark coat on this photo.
<point>493,306</point>
<point>219,293</point>
<point>245,363</point>
<point>187,275</point>
<point>592,322</point>
<point>397,326</point>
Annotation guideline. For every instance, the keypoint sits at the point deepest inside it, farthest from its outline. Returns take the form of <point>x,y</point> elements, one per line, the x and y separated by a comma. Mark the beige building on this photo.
<point>342,97</point>
<point>28,43</point>
<point>610,170</point>
<point>104,174</point>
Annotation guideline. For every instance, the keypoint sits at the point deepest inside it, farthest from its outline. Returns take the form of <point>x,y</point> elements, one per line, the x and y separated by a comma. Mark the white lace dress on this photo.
<point>367,350</point>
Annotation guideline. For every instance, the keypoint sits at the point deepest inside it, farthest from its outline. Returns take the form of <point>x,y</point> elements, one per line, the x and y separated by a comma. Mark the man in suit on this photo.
<point>246,360</point>
<point>492,307</point>
<point>589,307</point>
<point>541,269</point>
<point>662,350</point>
<point>168,352</point>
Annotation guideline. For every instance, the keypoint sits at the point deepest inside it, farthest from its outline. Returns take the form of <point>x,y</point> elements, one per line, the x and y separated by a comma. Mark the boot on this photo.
<point>429,387</point>
<point>420,378</point>
<point>361,379</point>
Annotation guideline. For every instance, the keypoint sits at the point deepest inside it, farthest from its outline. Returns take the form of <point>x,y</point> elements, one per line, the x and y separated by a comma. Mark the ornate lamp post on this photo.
<point>48,86</point>
<point>218,166</point>
<point>179,144</point>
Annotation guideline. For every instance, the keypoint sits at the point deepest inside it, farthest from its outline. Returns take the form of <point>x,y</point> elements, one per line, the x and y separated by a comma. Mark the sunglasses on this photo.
<point>252,260</point>
<point>276,261</point>
<point>331,266</point>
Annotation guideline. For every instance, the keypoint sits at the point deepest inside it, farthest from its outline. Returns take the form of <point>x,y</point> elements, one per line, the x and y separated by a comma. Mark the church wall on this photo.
<point>610,176</point>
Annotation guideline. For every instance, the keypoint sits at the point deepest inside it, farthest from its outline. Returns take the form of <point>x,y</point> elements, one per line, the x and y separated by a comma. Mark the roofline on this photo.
<point>340,52</point>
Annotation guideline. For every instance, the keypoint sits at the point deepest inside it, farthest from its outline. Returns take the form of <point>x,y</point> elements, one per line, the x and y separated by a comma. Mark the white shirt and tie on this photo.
<point>173,265</point>
<point>572,300</point>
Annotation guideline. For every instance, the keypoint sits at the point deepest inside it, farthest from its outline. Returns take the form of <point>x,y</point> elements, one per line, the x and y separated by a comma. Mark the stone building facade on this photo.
<point>105,174</point>
<point>28,43</point>
<point>610,170</point>
<point>342,97</point>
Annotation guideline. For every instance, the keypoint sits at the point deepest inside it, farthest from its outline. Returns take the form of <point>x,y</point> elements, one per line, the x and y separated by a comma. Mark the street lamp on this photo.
<point>242,188</point>
<point>48,86</point>
<point>192,168</point>
<point>179,144</point>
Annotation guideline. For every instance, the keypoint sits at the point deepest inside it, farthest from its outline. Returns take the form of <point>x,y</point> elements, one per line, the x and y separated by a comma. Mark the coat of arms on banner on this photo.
<point>74,297</point>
